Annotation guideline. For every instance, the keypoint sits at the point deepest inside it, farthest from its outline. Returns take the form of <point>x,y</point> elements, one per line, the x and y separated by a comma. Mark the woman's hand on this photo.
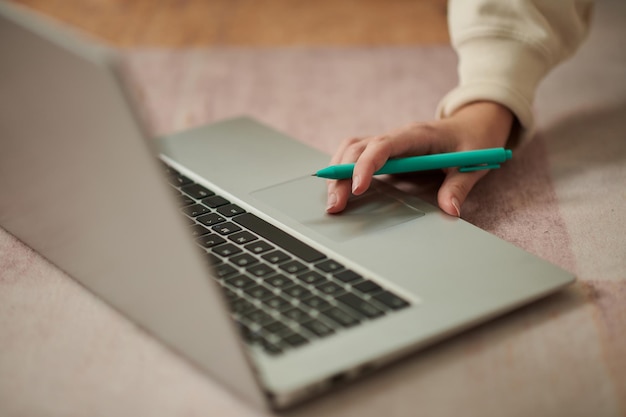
<point>478,125</point>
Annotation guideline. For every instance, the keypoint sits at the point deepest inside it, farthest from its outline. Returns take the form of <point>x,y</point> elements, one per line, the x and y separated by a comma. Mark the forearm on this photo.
<point>505,49</point>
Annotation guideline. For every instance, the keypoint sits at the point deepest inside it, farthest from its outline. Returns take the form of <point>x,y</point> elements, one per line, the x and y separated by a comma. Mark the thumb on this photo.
<point>455,188</point>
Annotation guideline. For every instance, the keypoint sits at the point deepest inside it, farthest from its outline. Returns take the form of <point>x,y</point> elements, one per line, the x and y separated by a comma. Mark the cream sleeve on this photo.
<point>506,47</point>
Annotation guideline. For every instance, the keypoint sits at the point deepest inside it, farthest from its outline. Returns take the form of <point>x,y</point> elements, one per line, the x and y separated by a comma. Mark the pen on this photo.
<point>466,161</point>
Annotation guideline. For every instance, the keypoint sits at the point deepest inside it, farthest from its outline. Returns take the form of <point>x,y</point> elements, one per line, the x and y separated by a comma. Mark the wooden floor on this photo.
<point>177,23</point>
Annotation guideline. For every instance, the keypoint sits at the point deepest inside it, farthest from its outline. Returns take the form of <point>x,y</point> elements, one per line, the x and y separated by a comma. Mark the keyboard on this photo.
<point>283,293</point>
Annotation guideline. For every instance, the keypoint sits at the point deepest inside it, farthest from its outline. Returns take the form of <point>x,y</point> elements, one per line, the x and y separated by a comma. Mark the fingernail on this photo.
<point>356,181</point>
<point>457,206</point>
<point>332,200</point>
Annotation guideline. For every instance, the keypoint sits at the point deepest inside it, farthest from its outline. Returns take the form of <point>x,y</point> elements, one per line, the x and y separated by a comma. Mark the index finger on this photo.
<point>412,140</point>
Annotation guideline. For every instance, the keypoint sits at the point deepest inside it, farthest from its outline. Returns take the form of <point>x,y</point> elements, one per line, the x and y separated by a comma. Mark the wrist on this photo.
<point>486,123</point>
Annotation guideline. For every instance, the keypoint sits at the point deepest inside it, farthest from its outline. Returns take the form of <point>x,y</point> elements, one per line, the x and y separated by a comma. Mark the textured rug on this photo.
<point>65,353</point>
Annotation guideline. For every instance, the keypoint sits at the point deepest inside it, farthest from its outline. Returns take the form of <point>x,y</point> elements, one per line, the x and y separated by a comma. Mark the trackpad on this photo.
<point>304,200</point>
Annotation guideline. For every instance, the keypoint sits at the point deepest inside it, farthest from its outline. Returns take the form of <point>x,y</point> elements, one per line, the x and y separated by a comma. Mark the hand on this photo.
<point>477,125</point>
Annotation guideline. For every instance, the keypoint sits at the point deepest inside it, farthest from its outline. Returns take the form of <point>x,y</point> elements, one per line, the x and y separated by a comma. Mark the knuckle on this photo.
<point>380,145</point>
<point>355,145</point>
<point>379,141</point>
<point>352,141</point>
<point>424,128</point>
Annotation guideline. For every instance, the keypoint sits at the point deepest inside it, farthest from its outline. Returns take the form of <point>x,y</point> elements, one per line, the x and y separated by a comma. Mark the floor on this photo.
<point>184,23</point>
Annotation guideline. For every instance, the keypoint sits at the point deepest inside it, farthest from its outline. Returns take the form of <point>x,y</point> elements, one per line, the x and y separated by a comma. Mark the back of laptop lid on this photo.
<point>79,184</point>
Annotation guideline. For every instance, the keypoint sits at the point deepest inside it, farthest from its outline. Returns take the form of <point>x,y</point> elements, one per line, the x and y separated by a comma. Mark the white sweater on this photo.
<point>506,47</point>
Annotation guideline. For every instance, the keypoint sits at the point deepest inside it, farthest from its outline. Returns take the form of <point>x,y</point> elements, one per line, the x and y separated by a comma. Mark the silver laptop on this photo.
<point>216,241</point>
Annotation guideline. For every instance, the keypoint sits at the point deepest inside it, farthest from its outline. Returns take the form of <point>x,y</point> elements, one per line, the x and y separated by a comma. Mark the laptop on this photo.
<point>215,240</point>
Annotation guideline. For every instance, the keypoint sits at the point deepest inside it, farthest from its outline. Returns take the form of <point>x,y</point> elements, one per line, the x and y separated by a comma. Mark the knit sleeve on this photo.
<point>506,47</point>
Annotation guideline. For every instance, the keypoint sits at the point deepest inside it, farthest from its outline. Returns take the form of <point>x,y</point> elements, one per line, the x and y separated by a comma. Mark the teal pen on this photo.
<point>466,161</point>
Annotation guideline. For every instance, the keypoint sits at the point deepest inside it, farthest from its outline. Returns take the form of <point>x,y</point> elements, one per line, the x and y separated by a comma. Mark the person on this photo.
<point>504,49</point>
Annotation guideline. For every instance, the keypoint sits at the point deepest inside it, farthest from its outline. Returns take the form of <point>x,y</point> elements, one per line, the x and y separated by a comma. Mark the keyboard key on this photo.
<point>224,270</point>
<point>251,336</point>
<point>316,303</point>
<point>278,303</point>
<point>279,281</point>
<point>199,230</point>
<point>241,306</point>
<point>259,317</point>
<point>367,286</point>
<point>329,266</point>
<point>278,237</point>
<point>243,260</point>
<point>210,219</point>
<point>391,300</point>
<point>276,257</point>
<point>230,210</point>
<point>197,191</point>
<point>293,267</point>
<point>318,328</point>
<point>215,201</point>
<point>226,228</point>
<point>241,281</point>
<point>341,317</point>
<point>258,292</point>
<point>347,276</point>
<point>276,327</point>
<point>243,237</point>
<point>360,305</point>
<point>295,340</point>
<point>298,292</point>
<point>210,240</point>
<point>330,288</point>
<point>311,277</point>
<point>297,315</point>
<point>270,348</point>
<point>260,270</point>
<point>230,294</point>
<point>259,247</point>
<point>195,210</point>
<point>227,250</point>
<point>184,200</point>
<point>178,180</point>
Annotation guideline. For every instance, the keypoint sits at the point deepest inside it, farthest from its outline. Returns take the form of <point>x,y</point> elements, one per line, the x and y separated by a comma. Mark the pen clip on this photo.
<point>479,167</point>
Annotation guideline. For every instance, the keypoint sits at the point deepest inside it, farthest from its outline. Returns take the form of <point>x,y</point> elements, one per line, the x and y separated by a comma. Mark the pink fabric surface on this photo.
<point>65,353</point>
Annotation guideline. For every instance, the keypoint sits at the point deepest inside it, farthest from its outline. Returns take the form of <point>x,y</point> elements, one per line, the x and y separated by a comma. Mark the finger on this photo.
<point>455,188</point>
<point>416,139</point>
<point>338,194</point>
<point>350,148</point>
<point>371,159</point>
